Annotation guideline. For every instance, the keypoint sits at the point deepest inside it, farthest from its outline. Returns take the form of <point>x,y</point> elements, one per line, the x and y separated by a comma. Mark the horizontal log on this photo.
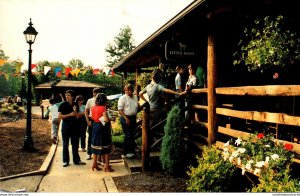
<point>203,107</point>
<point>233,132</point>
<point>268,90</point>
<point>278,118</point>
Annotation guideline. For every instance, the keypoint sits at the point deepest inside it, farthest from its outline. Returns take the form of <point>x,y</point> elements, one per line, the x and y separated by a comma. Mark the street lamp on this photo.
<point>30,35</point>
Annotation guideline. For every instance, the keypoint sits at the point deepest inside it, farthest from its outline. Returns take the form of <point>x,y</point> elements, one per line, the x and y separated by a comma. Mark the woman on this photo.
<point>82,125</point>
<point>101,132</point>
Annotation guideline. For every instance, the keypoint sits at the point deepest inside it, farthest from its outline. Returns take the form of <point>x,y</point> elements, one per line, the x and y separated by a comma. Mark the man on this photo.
<point>68,113</point>
<point>155,98</point>
<point>128,109</point>
<point>89,104</point>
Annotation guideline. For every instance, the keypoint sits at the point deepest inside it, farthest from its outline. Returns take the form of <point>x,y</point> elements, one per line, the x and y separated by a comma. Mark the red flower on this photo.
<point>288,146</point>
<point>260,135</point>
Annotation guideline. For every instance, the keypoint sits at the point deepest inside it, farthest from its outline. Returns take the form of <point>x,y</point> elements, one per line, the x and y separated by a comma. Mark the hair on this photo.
<point>128,86</point>
<point>193,67</point>
<point>97,90</point>
<point>156,75</point>
<point>72,93</point>
<point>101,99</point>
<point>52,101</point>
<point>79,97</point>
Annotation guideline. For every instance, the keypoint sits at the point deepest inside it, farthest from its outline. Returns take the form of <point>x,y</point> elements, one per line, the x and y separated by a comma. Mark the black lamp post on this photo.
<point>30,35</point>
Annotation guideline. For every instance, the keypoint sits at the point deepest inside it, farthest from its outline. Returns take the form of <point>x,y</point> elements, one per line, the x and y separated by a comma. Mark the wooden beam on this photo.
<point>269,90</point>
<point>145,139</point>
<point>211,93</point>
<point>269,117</point>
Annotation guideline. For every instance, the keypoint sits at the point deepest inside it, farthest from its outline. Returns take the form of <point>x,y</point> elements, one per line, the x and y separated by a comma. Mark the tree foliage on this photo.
<point>172,148</point>
<point>123,44</point>
<point>269,43</point>
<point>76,63</point>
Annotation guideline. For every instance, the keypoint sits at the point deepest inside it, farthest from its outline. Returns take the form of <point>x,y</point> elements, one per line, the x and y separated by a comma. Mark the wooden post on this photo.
<point>211,92</point>
<point>145,143</point>
<point>137,74</point>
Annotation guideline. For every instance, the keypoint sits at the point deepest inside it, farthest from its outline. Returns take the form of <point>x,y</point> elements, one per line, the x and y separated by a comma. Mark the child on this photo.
<point>101,132</point>
<point>53,109</point>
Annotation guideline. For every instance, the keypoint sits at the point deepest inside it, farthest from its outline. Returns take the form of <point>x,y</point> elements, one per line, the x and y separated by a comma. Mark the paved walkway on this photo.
<point>74,178</point>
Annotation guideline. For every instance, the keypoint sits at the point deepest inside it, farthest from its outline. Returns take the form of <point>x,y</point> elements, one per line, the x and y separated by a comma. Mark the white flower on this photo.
<point>225,155</point>
<point>239,161</point>
<point>243,170</point>
<point>235,154</point>
<point>248,166</point>
<point>267,145</point>
<point>275,156</point>
<point>230,159</point>
<point>257,171</point>
<point>227,144</point>
<point>267,159</point>
<point>260,164</point>
<point>226,149</point>
<point>241,150</point>
<point>238,141</point>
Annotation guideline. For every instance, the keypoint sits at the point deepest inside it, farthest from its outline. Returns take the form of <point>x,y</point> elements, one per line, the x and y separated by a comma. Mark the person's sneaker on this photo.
<point>83,149</point>
<point>89,157</point>
<point>129,155</point>
<point>65,164</point>
<point>123,156</point>
<point>80,163</point>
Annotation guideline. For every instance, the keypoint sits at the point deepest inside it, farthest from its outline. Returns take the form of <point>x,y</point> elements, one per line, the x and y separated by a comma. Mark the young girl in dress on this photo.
<point>101,133</point>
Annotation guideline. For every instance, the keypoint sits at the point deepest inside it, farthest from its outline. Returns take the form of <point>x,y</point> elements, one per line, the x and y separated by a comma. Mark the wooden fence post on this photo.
<point>211,91</point>
<point>145,139</point>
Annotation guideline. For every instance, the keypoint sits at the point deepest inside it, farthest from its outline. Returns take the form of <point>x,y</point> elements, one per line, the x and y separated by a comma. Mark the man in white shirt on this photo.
<point>128,109</point>
<point>89,104</point>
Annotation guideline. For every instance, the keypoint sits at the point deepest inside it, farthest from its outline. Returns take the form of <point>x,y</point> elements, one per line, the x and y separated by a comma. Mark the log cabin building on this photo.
<point>236,102</point>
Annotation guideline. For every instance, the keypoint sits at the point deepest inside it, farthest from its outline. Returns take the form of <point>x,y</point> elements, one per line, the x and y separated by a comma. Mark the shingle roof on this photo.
<point>68,83</point>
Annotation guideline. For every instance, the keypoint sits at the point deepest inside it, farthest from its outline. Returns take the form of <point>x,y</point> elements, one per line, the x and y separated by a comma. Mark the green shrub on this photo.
<point>118,139</point>
<point>276,181</point>
<point>212,174</point>
<point>172,148</point>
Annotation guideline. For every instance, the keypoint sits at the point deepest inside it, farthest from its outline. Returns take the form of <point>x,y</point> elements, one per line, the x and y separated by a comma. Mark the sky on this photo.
<point>79,29</point>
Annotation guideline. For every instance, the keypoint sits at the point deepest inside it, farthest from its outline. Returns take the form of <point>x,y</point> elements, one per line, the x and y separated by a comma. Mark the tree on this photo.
<point>2,54</point>
<point>76,63</point>
<point>123,44</point>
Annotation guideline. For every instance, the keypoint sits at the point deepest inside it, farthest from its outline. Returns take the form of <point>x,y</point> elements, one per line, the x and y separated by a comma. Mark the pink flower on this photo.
<point>260,135</point>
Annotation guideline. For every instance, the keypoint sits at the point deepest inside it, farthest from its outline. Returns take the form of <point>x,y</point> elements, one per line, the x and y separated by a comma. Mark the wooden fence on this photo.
<point>278,118</point>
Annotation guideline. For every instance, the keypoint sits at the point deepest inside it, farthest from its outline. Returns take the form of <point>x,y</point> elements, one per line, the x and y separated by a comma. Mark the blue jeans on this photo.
<point>129,142</point>
<point>69,131</point>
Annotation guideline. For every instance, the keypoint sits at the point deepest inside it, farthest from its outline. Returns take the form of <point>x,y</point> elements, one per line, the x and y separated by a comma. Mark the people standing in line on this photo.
<point>128,108</point>
<point>101,132</point>
<point>82,125</point>
<point>192,83</point>
<point>89,104</point>
<point>68,113</point>
<point>53,110</point>
<point>155,92</point>
<point>180,83</point>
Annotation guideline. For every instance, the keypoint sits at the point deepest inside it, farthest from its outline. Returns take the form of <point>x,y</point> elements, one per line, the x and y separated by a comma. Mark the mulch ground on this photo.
<point>13,130</point>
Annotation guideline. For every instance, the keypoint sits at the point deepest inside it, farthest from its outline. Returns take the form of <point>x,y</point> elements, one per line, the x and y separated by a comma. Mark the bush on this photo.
<point>213,174</point>
<point>172,148</point>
